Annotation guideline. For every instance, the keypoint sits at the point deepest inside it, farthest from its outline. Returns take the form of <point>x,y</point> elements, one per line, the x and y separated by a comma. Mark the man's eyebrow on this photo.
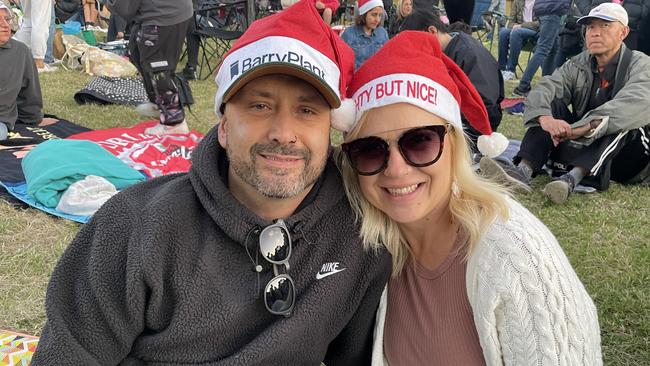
<point>260,93</point>
<point>314,97</point>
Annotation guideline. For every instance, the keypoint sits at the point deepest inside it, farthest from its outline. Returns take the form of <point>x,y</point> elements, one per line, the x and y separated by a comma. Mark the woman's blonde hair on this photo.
<point>475,201</point>
<point>400,3</point>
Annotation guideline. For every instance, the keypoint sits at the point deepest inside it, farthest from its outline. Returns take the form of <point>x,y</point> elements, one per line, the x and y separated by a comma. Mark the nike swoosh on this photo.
<point>320,276</point>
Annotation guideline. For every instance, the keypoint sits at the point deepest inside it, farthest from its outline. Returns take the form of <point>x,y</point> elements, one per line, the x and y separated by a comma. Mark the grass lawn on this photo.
<point>606,235</point>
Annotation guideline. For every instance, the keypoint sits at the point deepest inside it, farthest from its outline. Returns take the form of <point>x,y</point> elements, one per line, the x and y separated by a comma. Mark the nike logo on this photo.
<point>329,269</point>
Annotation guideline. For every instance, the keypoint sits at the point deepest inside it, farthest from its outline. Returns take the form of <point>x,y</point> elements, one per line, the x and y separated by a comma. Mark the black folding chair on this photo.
<point>217,26</point>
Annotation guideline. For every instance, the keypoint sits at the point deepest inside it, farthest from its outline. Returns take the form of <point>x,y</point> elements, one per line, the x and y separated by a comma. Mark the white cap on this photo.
<point>3,6</point>
<point>610,12</point>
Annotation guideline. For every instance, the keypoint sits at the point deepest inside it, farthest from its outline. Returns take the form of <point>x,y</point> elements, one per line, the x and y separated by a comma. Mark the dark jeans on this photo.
<point>116,24</point>
<point>192,42</point>
<point>512,40</point>
<point>544,55</point>
<point>618,157</point>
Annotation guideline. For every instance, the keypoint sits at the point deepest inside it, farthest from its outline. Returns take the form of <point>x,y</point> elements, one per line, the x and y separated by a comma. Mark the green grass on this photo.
<point>605,235</point>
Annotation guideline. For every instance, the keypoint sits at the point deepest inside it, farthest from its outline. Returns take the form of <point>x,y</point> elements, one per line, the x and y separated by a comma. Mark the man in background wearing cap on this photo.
<point>254,256</point>
<point>20,92</point>
<point>606,135</point>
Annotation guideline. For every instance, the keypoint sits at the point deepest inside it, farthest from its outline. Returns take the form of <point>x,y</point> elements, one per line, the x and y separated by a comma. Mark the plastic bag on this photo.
<point>86,196</point>
<point>103,63</point>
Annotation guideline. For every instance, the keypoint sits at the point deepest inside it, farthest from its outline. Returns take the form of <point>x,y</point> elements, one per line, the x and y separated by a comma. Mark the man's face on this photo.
<point>276,133</point>
<point>603,37</point>
<point>5,26</point>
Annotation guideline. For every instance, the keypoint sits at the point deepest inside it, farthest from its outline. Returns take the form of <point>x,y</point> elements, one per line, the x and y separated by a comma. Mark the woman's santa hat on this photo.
<point>294,42</point>
<point>367,5</point>
<point>411,68</point>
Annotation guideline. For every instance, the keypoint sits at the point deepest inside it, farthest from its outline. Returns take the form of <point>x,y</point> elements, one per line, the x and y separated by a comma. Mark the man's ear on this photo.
<point>625,33</point>
<point>433,30</point>
<point>221,132</point>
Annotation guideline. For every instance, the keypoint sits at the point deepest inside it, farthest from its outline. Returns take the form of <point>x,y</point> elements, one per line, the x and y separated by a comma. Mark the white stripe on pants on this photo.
<point>36,26</point>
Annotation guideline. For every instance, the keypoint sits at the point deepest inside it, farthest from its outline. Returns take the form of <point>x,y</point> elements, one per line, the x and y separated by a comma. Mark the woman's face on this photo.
<point>407,8</point>
<point>405,193</point>
<point>373,17</point>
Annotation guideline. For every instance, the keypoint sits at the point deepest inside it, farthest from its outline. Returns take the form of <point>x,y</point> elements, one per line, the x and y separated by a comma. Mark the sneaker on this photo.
<point>148,109</point>
<point>55,62</point>
<point>47,68</point>
<point>559,190</point>
<point>161,129</point>
<point>508,75</point>
<point>505,171</point>
<point>189,73</point>
<point>520,92</point>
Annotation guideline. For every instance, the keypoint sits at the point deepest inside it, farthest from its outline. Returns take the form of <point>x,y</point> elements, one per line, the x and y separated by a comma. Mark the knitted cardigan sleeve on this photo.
<point>529,306</point>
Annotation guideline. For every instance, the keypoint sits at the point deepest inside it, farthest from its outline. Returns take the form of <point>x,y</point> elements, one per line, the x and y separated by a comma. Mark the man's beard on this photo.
<point>281,184</point>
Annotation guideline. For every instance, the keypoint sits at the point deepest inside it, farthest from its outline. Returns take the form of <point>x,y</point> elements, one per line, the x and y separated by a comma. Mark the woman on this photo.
<point>367,36</point>
<point>404,9</point>
<point>477,279</point>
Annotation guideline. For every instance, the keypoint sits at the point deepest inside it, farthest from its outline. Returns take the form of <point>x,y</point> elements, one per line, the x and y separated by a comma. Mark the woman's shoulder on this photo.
<point>517,241</point>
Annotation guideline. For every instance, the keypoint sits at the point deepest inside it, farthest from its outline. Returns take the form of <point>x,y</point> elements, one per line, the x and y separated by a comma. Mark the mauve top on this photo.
<point>429,320</point>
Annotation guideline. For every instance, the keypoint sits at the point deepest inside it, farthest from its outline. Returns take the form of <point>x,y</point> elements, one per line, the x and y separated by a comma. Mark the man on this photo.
<point>192,269</point>
<point>637,12</point>
<point>549,13</point>
<point>512,39</point>
<point>20,92</point>
<point>474,59</point>
<point>157,36</point>
<point>606,134</point>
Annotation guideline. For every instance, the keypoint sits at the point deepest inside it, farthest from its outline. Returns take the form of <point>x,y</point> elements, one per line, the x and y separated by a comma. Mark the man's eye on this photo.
<point>307,111</point>
<point>260,106</point>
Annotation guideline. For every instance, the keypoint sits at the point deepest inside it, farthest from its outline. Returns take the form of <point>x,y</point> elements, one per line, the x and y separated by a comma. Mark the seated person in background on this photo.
<point>327,9</point>
<point>512,39</point>
<point>251,258</point>
<point>403,9</point>
<point>570,37</point>
<point>366,37</point>
<point>474,59</point>
<point>20,92</point>
<point>604,136</point>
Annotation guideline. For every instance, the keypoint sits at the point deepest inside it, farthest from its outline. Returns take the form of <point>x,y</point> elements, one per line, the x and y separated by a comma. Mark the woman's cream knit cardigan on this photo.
<point>530,308</point>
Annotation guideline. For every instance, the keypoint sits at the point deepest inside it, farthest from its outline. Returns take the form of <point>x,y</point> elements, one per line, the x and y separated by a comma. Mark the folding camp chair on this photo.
<point>529,46</point>
<point>215,37</point>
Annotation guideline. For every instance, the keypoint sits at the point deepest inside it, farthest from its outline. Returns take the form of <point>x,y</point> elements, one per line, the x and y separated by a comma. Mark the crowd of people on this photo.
<point>390,249</point>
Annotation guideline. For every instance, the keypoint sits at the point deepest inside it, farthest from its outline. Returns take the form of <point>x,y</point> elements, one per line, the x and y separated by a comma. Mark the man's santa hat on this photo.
<point>367,5</point>
<point>294,42</point>
<point>411,68</point>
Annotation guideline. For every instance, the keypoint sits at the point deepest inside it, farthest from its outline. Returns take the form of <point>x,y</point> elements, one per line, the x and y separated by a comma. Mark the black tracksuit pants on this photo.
<point>155,51</point>
<point>618,157</point>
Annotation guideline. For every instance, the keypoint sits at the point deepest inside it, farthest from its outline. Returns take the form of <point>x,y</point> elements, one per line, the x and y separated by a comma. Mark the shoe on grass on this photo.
<point>506,172</point>
<point>148,109</point>
<point>508,75</point>
<point>559,190</point>
<point>47,68</point>
<point>520,92</point>
<point>160,129</point>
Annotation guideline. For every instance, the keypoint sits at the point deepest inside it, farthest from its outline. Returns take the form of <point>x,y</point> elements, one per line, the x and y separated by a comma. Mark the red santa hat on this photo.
<point>294,42</point>
<point>411,68</point>
<point>367,5</point>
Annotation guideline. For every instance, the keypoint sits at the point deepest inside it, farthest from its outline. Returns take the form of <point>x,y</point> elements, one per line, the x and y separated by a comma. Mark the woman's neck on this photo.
<point>367,30</point>
<point>432,239</point>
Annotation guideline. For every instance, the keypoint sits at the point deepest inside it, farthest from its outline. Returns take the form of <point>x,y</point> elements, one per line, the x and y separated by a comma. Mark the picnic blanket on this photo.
<point>152,155</point>
<point>513,105</point>
<point>16,349</point>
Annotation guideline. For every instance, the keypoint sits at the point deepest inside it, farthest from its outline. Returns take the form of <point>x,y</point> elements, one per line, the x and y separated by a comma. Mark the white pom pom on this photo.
<point>492,145</point>
<point>344,117</point>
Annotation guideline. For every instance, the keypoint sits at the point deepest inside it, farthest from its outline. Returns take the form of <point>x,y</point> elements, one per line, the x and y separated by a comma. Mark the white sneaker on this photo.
<point>508,75</point>
<point>161,129</point>
<point>148,109</point>
<point>47,68</point>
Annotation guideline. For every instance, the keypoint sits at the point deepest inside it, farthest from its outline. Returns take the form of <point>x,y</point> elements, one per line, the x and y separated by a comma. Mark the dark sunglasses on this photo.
<point>275,247</point>
<point>420,147</point>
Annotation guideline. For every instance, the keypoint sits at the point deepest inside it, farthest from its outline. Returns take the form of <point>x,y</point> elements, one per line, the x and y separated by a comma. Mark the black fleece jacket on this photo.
<point>160,276</point>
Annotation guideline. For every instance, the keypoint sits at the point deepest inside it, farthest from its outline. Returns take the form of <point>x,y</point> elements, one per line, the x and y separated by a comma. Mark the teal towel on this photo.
<point>52,166</point>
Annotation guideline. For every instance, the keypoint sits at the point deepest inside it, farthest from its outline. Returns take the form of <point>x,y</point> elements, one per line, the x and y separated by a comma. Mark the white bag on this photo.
<point>86,196</point>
